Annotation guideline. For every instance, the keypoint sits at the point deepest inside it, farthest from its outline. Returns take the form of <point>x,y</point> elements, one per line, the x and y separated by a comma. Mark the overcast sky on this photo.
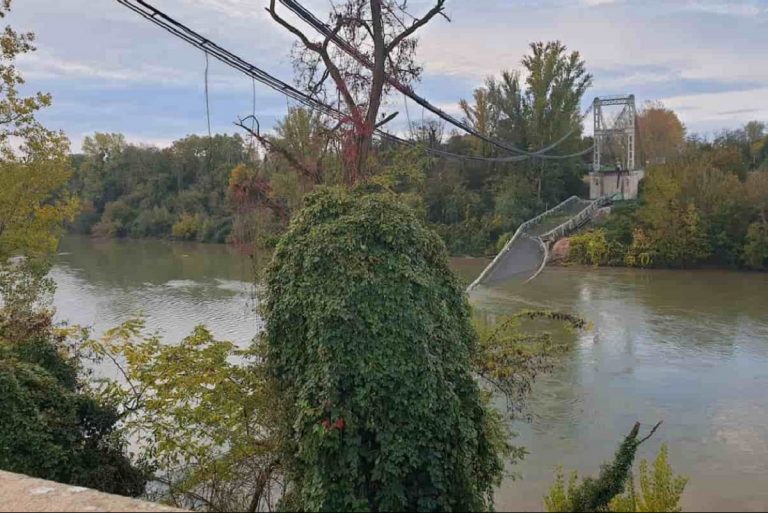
<point>111,71</point>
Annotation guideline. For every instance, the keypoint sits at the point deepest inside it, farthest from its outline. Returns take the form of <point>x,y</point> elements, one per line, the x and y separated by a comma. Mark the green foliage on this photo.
<point>756,246</point>
<point>660,489</point>
<point>513,352</point>
<point>154,222</point>
<point>187,227</point>
<point>34,161</point>
<point>404,174</point>
<point>144,191</point>
<point>621,222</point>
<point>200,413</point>
<point>598,494</point>
<point>471,204</point>
<point>370,346</point>
<point>593,247</point>
<point>52,426</point>
<point>558,499</point>
<point>691,213</point>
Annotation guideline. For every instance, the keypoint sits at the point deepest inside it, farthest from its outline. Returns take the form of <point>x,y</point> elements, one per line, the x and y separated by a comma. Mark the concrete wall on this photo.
<point>603,183</point>
<point>24,493</point>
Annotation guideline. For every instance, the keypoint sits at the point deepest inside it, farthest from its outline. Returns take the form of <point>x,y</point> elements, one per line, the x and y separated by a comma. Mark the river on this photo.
<point>686,347</point>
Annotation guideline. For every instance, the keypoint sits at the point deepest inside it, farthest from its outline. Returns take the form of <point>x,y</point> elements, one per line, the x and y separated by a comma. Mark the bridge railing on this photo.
<point>581,212</point>
<point>575,222</point>
<point>527,229</point>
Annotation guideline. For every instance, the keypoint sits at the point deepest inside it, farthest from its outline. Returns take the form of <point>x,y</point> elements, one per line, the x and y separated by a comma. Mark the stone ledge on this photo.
<point>23,493</point>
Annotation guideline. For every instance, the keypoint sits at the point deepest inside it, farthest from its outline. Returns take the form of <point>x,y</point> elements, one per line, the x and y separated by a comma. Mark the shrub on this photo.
<point>51,426</point>
<point>155,222</point>
<point>116,219</point>
<point>641,253</point>
<point>756,247</point>
<point>187,227</point>
<point>599,494</point>
<point>594,248</point>
<point>200,414</point>
<point>369,346</point>
<point>660,490</point>
<point>215,229</point>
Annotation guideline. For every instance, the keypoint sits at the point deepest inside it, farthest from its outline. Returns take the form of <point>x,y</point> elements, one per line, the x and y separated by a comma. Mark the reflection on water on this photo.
<point>176,286</point>
<point>689,348</point>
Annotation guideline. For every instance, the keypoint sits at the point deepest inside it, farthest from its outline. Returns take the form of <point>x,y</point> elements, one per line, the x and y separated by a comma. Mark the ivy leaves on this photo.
<point>369,345</point>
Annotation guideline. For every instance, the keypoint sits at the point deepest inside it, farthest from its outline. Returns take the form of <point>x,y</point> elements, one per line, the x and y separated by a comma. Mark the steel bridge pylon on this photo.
<point>614,164</point>
<point>614,131</point>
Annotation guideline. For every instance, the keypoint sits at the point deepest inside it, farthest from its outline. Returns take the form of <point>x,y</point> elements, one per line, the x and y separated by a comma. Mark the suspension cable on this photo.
<point>188,35</point>
<point>324,29</point>
<point>207,100</point>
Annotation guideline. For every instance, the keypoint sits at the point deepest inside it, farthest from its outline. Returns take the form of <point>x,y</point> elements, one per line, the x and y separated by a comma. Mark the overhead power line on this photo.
<point>323,28</point>
<point>188,35</point>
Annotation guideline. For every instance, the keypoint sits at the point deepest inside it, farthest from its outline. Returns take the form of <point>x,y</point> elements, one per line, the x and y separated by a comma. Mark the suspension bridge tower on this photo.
<point>614,164</point>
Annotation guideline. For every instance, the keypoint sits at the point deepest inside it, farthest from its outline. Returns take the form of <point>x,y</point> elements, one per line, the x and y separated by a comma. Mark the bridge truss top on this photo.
<point>614,132</point>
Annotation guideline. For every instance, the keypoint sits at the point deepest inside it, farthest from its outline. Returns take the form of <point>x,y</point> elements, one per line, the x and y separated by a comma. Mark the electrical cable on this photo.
<point>188,35</point>
<point>351,50</point>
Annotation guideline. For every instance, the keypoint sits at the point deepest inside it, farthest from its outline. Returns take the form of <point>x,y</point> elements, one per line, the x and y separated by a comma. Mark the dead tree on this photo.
<point>383,34</point>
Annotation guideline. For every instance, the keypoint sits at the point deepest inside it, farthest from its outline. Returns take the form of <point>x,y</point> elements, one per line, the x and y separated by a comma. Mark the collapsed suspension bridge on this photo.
<point>526,253</point>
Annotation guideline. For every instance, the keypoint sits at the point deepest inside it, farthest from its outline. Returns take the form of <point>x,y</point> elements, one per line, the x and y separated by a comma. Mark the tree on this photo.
<point>555,84</point>
<point>34,161</point>
<point>52,427</point>
<point>596,494</point>
<point>369,346</point>
<point>506,96</point>
<point>481,117</point>
<point>660,133</point>
<point>200,414</point>
<point>384,52</point>
<point>529,114</point>
<point>660,490</point>
<point>534,116</point>
<point>756,246</point>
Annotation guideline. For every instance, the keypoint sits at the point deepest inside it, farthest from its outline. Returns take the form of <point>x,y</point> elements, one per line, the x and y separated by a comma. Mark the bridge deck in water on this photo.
<point>526,253</point>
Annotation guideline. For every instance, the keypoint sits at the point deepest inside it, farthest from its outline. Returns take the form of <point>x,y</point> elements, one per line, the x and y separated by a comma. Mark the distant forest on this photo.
<point>187,191</point>
<point>244,188</point>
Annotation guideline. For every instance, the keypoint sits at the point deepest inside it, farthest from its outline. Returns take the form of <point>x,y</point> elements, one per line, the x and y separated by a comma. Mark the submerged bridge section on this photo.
<point>527,252</point>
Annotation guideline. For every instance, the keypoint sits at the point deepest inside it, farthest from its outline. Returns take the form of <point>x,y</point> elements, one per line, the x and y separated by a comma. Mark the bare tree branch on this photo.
<point>295,31</point>
<point>417,24</point>
<point>651,433</point>
<point>271,146</point>
<point>322,50</point>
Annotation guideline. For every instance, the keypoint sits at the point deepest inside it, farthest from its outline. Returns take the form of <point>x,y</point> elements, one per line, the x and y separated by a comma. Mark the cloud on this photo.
<point>740,8</point>
<point>706,111</point>
<point>45,65</point>
<point>100,54</point>
<point>234,8</point>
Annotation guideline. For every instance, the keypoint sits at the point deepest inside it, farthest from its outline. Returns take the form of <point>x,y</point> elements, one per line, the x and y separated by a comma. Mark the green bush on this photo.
<point>215,229</point>
<point>155,222</point>
<point>756,247</point>
<point>51,426</point>
<point>660,489</point>
<point>621,222</point>
<point>595,248</point>
<point>605,492</point>
<point>469,237</point>
<point>369,345</point>
<point>115,220</point>
<point>187,227</point>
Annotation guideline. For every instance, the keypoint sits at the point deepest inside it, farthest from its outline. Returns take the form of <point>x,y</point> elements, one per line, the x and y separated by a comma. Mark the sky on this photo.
<point>111,71</point>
